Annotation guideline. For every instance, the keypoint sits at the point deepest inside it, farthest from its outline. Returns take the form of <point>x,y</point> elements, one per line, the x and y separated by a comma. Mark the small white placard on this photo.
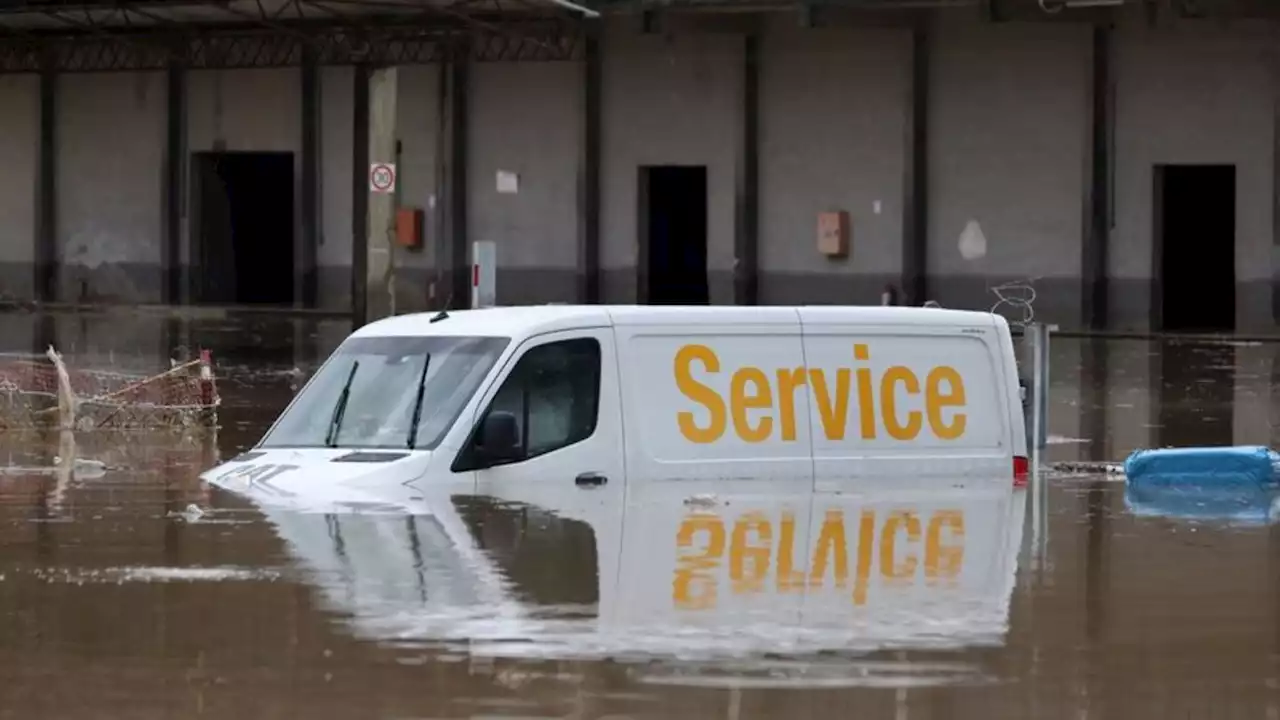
<point>508,182</point>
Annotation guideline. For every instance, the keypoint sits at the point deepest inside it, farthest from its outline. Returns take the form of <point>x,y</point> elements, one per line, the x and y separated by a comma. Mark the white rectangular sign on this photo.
<point>508,182</point>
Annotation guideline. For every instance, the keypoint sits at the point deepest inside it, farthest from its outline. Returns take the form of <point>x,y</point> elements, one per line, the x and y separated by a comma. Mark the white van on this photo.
<point>832,398</point>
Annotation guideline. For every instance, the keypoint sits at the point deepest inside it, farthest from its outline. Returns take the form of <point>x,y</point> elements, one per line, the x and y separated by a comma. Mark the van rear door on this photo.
<point>1008,363</point>
<point>916,398</point>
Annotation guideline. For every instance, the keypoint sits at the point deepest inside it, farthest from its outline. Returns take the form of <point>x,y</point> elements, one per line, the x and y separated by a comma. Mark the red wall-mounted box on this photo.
<point>410,225</point>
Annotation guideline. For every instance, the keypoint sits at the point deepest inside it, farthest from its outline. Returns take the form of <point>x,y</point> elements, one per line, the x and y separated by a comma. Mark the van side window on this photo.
<point>553,392</point>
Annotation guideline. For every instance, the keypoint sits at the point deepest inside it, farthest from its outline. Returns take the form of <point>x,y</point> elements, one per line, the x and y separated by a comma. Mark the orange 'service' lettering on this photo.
<point>758,413</point>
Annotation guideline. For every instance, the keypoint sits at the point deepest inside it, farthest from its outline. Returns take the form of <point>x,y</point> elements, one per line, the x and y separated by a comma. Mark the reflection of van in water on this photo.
<point>769,569</point>
<point>596,395</point>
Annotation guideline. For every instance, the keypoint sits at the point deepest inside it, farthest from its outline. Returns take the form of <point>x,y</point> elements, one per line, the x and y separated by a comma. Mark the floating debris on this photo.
<point>1088,468</point>
<point>192,514</point>
<point>156,574</point>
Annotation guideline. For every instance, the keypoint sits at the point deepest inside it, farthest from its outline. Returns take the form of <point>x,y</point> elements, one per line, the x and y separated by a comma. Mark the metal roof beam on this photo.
<point>259,48</point>
<point>311,26</point>
<point>28,7</point>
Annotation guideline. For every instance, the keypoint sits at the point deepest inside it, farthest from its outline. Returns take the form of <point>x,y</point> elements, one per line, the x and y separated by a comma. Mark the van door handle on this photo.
<point>590,479</point>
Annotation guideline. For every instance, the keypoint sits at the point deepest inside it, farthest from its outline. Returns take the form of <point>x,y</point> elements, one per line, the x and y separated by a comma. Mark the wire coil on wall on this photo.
<point>1015,300</point>
<point>1018,297</point>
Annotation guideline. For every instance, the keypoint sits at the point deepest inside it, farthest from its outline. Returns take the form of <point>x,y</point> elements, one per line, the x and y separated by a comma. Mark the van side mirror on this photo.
<point>498,440</point>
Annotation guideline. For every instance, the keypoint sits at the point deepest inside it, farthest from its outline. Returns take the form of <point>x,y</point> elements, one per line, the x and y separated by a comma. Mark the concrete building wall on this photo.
<point>1194,93</point>
<point>19,153</point>
<point>110,181</point>
<point>110,139</point>
<point>667,100</point>
<point>833,119</point>
<point>418,181</point>
<point>419,177</point>
<point>245,111</point>
<point>1009,141</point>
<point>526,118</point>
<point>1009,129</point>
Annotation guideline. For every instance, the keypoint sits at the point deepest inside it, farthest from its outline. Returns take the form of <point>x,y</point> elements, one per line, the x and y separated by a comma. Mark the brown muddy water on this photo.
<point>128,590</point>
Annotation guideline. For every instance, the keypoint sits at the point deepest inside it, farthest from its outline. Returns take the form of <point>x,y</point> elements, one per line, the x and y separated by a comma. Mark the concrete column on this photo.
<point>1275,197</point>
<point>1097,194</point>
<point>746,268</point>
<point>915,185</point>
<point>380,246</point>
<point>359,192</point>
<point>309,213</point>
<point>306,252</point>
<point>46,240</point>
<point>456,186</point>
<point>175,286</point>
<point>589,198</point>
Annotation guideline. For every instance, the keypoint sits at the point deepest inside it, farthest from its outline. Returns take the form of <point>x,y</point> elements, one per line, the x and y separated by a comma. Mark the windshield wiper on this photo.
<point>335,423</point>
<point>417,403</point>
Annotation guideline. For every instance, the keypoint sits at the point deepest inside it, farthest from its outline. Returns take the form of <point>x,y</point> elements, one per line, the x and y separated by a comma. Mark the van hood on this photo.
<point>324,479</point>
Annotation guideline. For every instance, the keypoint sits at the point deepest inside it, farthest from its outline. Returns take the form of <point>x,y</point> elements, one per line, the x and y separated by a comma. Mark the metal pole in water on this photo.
<point>1039,335</point>
<point>1037,521</point>
<point>1031,337</point>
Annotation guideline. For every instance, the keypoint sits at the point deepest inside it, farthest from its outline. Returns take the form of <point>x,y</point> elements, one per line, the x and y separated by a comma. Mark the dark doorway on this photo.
<point>243,228</point>
<point>1195,248</point>
<point>673,235</point>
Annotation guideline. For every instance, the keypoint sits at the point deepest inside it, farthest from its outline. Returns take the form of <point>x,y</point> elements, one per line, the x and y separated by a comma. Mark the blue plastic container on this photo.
<point>1226,483</point>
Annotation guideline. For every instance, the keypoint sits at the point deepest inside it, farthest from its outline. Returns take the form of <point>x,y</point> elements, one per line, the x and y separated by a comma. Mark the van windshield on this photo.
<point>365,394</point>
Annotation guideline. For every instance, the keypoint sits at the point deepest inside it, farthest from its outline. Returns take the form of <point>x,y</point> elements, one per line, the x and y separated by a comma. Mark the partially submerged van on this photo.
<point>835,398</point>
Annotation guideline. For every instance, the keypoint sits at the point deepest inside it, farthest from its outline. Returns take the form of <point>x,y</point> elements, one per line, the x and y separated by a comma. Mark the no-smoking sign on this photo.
<point>382,177</point>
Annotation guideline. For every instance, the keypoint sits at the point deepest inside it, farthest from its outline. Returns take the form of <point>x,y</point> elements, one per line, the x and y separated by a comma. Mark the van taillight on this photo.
<point>1020,470</point>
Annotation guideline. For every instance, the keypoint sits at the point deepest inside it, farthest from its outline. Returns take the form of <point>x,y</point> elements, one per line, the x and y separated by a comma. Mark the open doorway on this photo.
<point>1195,248</point>
<point>243,228</point>
<point>673,235</point>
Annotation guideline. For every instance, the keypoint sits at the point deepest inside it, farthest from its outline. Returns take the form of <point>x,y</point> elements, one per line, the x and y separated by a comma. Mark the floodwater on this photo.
<point>129,590</point>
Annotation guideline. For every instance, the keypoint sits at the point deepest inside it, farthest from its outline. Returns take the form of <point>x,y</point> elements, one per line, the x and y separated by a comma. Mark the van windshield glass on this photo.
<point>383,378</point>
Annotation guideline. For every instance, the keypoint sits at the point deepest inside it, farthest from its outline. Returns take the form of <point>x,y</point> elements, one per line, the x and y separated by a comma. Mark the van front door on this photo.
<point>553,429</point>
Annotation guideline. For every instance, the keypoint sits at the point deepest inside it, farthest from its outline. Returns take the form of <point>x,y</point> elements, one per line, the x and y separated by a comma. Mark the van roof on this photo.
<point>526,320</point>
